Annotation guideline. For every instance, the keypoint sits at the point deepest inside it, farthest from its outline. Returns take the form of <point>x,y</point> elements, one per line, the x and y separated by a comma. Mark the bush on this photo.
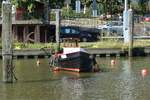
<point>52,17</point>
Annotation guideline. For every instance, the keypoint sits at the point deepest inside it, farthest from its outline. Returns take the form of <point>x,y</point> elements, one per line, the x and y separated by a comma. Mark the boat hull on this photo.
<point>77,61</point>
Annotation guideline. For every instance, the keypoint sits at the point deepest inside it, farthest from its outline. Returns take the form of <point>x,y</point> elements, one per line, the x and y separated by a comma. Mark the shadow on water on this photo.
<point>68,75</point>
<point>104,69</point>
<point>34,73</point>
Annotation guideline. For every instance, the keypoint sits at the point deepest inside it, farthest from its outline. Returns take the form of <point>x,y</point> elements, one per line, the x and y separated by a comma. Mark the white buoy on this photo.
<point>38,62</point>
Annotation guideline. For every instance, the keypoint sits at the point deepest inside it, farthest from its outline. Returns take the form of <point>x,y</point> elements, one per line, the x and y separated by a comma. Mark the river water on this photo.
<point>120,81</point>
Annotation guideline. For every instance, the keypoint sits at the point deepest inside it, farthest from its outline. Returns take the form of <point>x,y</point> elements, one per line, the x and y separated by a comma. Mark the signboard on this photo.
<point>78,6</point>
<point>94,11</point>
<point>67,1</point>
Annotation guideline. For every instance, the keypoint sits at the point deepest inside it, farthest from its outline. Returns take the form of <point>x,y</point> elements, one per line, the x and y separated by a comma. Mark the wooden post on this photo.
<point>45,36</point>
<point>16,36</point>
<point>15,30</point>
<point>37,34</point>
<point>7,42</point>
<point>25,32</point>
<point>57,27</point>
<point>131,24</point>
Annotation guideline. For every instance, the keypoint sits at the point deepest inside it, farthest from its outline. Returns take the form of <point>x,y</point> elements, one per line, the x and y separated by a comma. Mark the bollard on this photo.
<point>130,25</point>
<point>7,42</point>
<point>58,28</point>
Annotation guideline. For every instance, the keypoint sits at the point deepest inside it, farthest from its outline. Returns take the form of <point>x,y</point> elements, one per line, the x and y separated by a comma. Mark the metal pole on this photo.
<point>126,5</point>
<point>125,23</point>
<point>131,26</point>
<point>7,42</point>
<point>58,27</point>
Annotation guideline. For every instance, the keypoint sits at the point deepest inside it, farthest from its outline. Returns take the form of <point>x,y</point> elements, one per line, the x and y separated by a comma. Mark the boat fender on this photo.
<point>113,62</point>
<point>38,62</point>
<point>56,69</point>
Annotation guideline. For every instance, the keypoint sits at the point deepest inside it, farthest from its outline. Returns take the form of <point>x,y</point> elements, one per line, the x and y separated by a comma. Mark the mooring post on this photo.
<point>130,26</point>
<point>7,42</point>
<point>37,33</point>
<point>58,28</point>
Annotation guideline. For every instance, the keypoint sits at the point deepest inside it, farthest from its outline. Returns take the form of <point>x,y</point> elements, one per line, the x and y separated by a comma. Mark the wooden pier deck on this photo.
<point>99,52</point>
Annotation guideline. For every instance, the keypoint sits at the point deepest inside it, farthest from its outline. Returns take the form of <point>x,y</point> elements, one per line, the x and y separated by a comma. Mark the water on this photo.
<point>122,81</point>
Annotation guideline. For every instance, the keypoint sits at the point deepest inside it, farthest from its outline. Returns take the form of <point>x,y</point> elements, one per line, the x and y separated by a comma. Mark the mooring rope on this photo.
<point>13,68</point>
<point>47,53</point>
<point>10,70</point>
<point>14,74</point>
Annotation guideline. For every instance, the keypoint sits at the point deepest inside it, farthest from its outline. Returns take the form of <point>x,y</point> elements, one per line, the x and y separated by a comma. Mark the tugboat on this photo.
<point>72,58</point>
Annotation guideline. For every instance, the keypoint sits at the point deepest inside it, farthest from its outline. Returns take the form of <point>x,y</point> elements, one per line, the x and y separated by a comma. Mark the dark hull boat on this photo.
<point>72,58</point>
<point>78,61</point>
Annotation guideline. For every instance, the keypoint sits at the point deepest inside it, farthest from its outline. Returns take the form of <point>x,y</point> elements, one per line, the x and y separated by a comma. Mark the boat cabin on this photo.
<point>71,42</point>
<point>71,45</point>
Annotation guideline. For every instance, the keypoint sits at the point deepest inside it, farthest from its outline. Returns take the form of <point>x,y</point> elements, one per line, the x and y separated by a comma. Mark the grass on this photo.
<point>146,22</point>
<point>142,43</point>
<point>99,44</point>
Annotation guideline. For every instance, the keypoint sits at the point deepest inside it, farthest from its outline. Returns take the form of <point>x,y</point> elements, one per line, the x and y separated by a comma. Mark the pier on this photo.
<point>99,52</point>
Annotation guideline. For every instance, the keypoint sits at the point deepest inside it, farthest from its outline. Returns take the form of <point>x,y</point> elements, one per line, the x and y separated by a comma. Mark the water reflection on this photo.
<point>73,87</point>
<point>126,81</point>
<point>144,72</point>
<point>123,81</point>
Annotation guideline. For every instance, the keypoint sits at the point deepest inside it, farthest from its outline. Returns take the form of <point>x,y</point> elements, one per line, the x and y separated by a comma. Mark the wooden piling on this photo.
<point>7,42</point>
<point>25,32</point>
<point>37,34</point>
<point>58,27</point>
<point>45,38</point>
<point>131,24</point>
<point>14,29</point>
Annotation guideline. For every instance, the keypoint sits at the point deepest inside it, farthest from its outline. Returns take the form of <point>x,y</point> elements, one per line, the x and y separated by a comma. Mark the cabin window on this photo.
<point>74,31</point>
<point>67,31</point>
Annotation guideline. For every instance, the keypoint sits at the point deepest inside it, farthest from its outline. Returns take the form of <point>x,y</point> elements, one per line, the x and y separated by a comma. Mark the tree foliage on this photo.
<point>28,4</point>
<point>105,6</point>
<point>144,5</point>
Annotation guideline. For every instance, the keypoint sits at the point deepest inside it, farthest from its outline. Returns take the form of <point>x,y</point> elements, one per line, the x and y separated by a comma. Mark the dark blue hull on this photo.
<point>77,61</point>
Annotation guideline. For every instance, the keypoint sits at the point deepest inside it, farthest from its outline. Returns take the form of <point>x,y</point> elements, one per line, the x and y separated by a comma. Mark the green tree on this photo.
<point>144,6</point>
<point>29,4</point>
<point>85,3</point>
<point>111,6</point>
<point>56,3</point>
